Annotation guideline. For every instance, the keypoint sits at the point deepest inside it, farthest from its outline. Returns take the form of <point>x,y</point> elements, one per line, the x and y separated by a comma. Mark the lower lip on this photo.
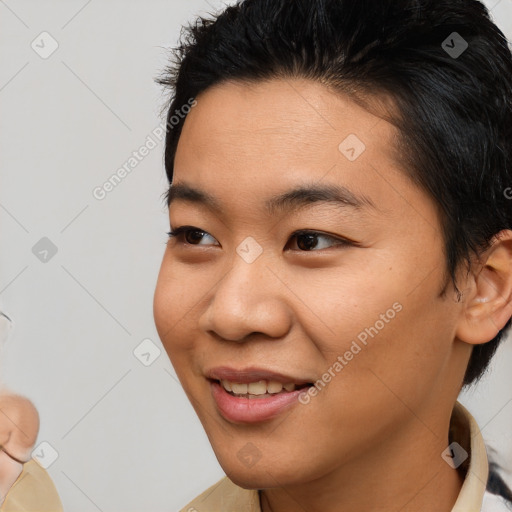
<point>252,410</point>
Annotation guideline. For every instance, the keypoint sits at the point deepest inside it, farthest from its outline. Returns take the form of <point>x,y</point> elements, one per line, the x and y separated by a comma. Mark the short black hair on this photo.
<point>445,65</point>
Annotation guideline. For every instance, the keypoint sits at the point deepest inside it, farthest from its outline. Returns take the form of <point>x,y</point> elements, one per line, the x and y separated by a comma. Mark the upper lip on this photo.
<point>251,374</point>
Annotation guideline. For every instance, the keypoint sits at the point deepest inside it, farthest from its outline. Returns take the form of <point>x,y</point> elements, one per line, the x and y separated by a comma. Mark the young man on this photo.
<point>340,254</point>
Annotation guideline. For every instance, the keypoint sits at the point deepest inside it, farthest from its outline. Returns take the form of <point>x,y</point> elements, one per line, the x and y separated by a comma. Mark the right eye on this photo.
<point>189,235</point>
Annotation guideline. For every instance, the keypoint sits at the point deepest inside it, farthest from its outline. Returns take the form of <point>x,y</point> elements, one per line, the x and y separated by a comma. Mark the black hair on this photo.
<point>444,64</point>
<point>495,483</point>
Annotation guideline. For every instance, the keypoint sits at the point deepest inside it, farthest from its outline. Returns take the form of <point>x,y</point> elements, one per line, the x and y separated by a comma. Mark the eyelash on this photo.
<point>180,231</point>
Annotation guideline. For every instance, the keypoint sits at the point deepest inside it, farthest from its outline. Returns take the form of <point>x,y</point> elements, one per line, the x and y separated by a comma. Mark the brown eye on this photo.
<point>193,236</point>
<point>189,234</point>
<point>308,241</point>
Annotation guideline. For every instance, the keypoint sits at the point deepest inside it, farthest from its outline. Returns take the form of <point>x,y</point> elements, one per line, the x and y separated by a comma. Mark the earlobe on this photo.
<point>488,307</point>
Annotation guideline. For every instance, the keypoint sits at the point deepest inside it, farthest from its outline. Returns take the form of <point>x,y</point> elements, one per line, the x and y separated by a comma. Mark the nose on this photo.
<point>249,299</point>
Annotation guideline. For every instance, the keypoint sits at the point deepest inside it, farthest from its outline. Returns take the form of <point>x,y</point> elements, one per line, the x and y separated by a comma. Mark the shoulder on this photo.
<point>226,496</point>
<point>33,490</point>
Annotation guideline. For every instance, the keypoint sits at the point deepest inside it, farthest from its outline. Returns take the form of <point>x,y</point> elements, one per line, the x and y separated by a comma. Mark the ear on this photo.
<point>488,303</point>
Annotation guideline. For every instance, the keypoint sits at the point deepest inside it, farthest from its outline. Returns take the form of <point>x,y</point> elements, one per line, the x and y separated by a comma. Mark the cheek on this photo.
<point>390,352</point>
<point>380,322</point>
<point>176,293</point>
<point>176,305</point>
<point>349,303</point>
<point>162,306</point>
<point>170,305</point>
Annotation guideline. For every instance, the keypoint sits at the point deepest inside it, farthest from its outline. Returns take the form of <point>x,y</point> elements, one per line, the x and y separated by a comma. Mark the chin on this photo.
<point>251,480</point>
<point>260,476</point>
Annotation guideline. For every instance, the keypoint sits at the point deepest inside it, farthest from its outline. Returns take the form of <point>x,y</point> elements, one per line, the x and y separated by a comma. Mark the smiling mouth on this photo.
<point>259,389</point>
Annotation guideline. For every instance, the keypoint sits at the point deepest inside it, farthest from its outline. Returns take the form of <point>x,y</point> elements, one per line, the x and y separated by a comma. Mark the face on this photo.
<point>336,290</point>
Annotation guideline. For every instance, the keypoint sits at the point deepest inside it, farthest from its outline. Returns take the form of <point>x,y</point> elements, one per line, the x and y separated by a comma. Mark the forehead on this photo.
<point>247,142</point>
<point>297,118</point>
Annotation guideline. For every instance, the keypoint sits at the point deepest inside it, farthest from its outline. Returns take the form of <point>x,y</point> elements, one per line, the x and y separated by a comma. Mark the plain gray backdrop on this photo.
<point>77,272</point>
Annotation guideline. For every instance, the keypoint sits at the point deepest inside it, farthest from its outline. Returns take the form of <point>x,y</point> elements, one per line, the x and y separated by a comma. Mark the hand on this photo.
<point>19,426</point>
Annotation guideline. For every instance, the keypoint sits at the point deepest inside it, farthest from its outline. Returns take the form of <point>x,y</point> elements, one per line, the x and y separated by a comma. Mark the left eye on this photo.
<point>309,240</point>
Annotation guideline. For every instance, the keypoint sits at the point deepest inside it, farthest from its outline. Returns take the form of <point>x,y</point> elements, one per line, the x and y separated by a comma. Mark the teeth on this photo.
<point>238,389</point>
<point>226,384</point>
<point>274,387</point>
<point>257,388</point>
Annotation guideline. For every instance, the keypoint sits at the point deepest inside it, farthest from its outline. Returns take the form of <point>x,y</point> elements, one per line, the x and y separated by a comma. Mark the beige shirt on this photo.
<point>33,491</point>
<point>225,496</point>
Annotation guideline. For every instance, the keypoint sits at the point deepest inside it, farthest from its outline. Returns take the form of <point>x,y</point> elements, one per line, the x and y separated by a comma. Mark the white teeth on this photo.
<point>274,387</point>
<point>238,389</point>
<point>226,384</point>
<point>260,387</point>
<point>257,388</point>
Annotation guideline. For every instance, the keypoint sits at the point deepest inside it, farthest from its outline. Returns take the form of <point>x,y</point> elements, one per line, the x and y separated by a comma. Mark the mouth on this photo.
<point>259,389</point>
<point>255,401</point>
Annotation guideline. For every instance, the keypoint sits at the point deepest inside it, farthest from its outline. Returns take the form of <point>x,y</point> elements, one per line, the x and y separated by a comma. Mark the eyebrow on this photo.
<point>289,201</point>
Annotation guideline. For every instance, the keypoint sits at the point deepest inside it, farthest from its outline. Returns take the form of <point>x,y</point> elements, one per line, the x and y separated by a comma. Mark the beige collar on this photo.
<point>466,432</point>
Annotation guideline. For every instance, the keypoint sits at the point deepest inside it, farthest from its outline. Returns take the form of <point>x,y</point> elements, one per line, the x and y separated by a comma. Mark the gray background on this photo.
<point>125,435</point>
